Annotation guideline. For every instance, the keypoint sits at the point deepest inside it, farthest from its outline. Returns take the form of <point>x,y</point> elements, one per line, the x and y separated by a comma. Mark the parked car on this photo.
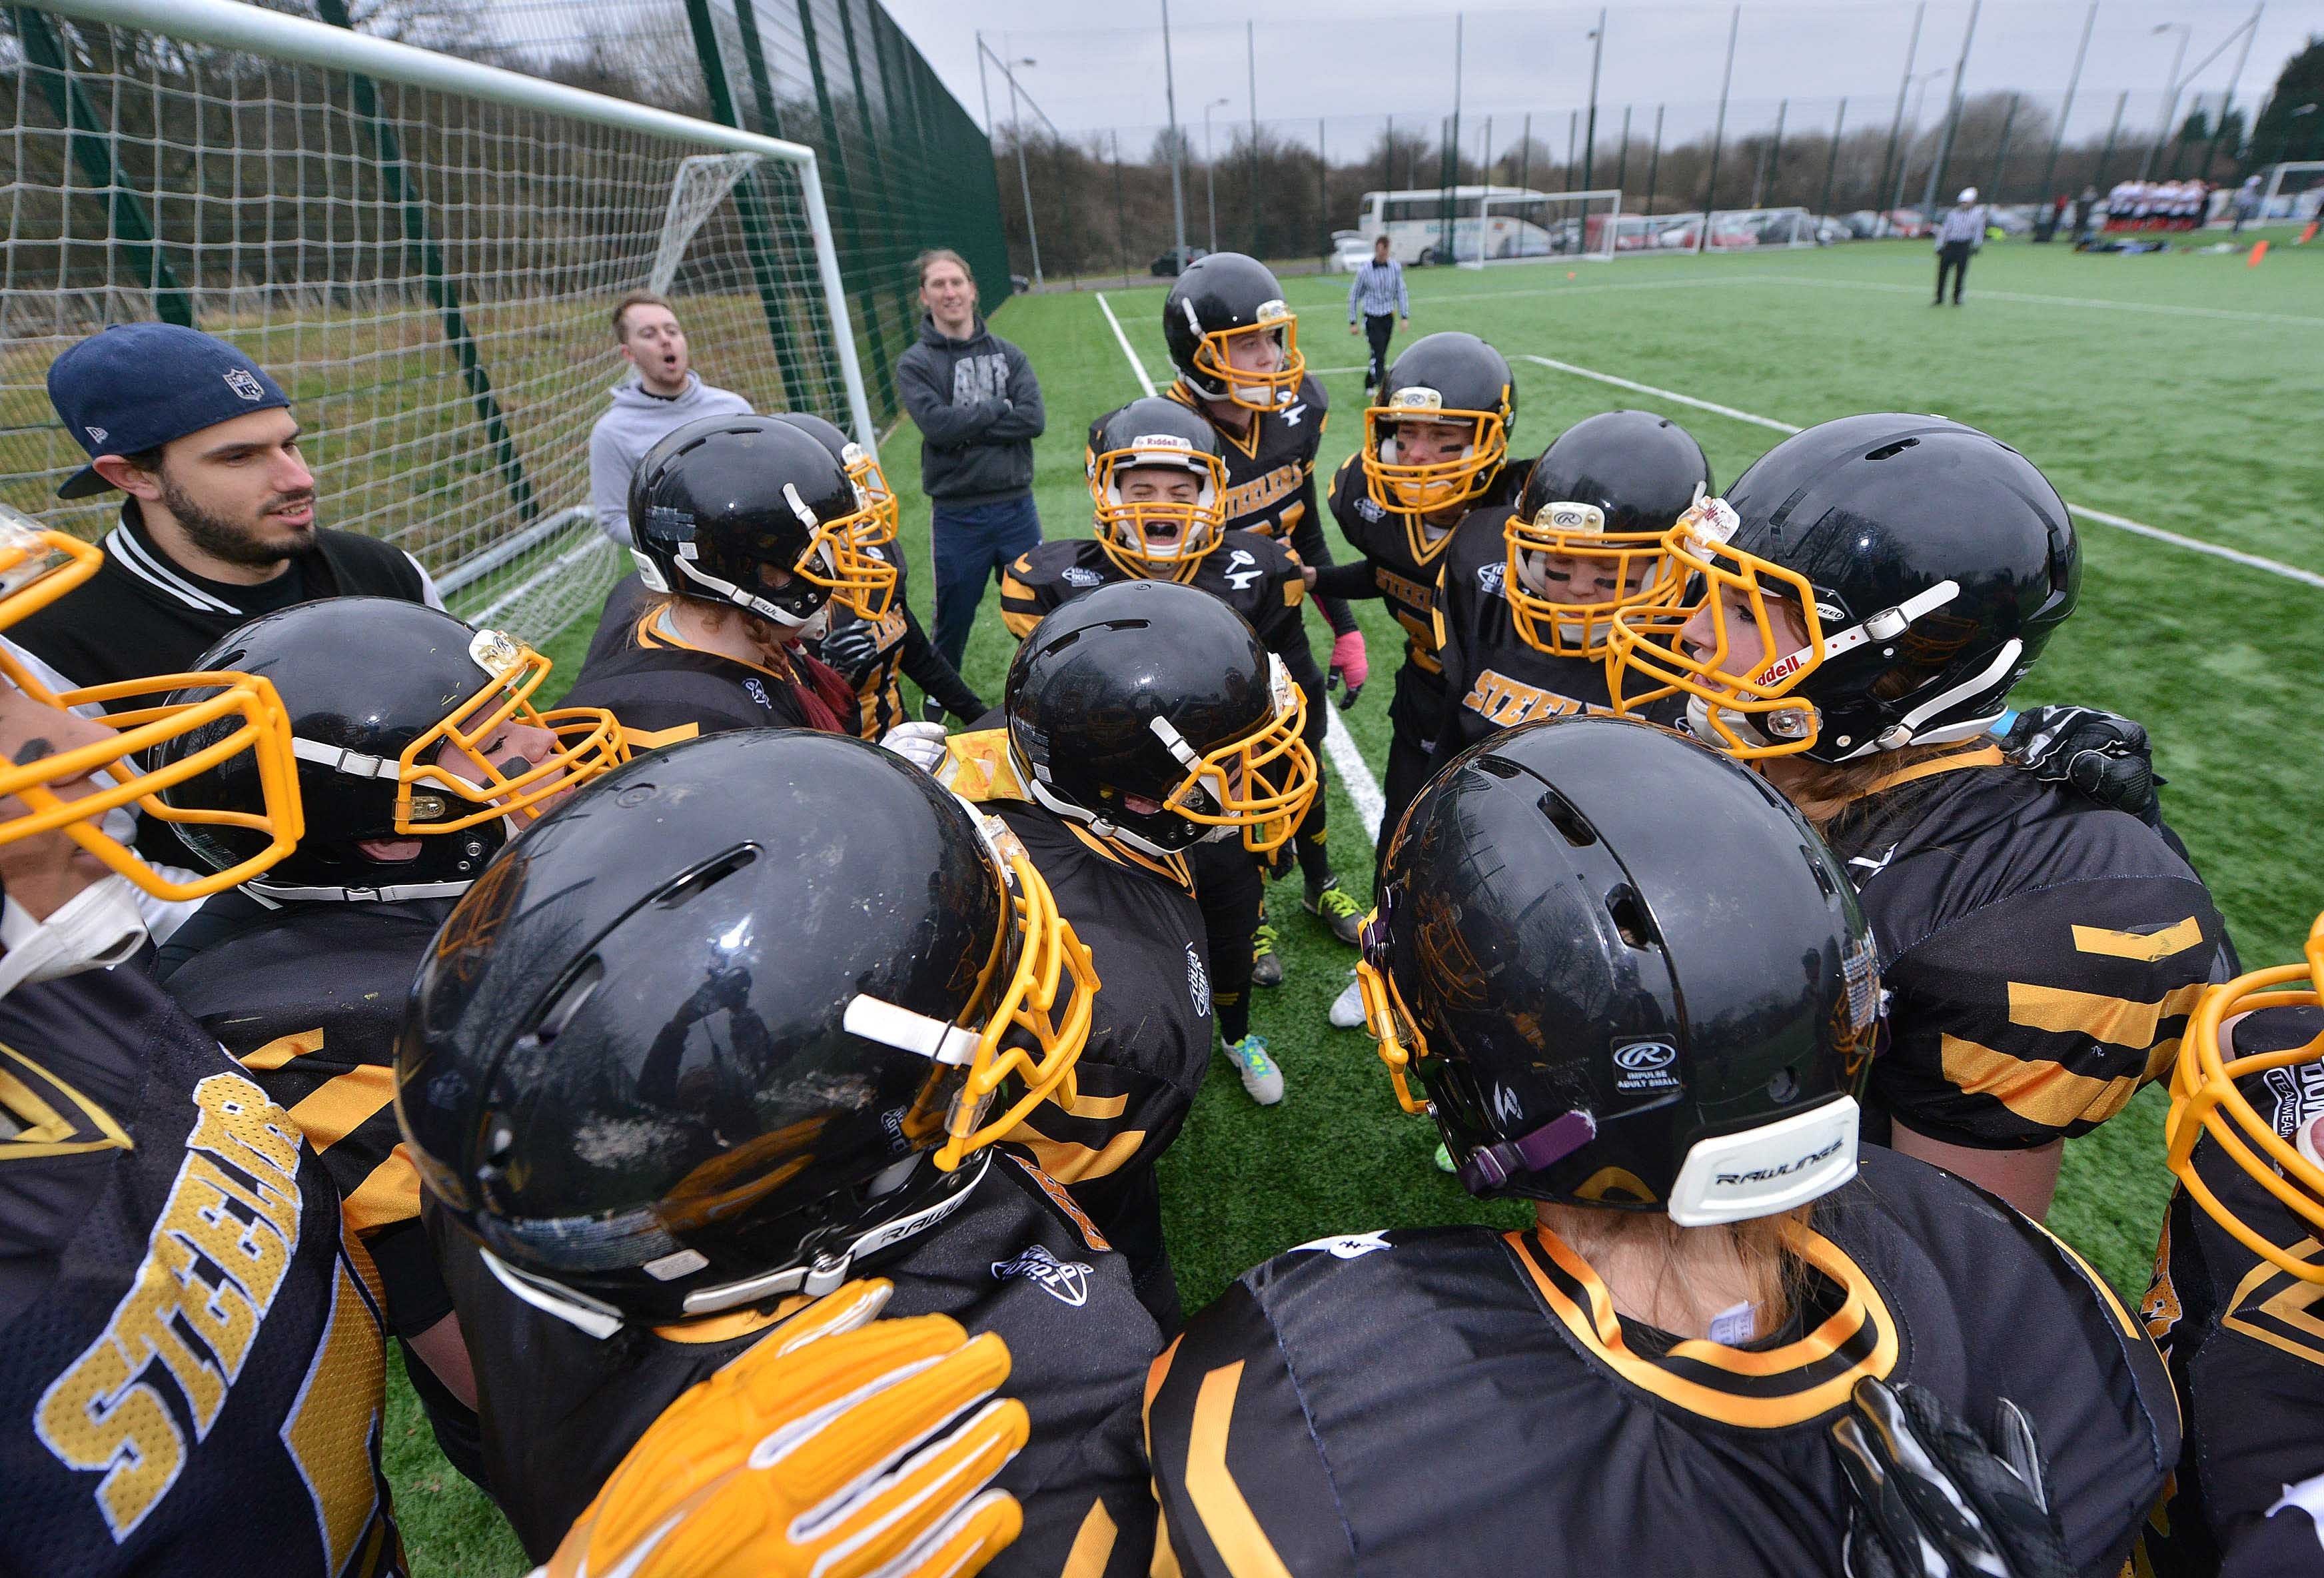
<point>1170,266</point>
<point>1350,250</point>
<point>1729,233</point>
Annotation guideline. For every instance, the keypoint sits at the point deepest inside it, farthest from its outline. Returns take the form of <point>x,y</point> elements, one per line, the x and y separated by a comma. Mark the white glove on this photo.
<point>921,744</point>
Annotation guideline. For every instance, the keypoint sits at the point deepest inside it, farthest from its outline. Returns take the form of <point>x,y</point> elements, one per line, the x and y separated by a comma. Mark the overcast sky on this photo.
<point>1358,59</point>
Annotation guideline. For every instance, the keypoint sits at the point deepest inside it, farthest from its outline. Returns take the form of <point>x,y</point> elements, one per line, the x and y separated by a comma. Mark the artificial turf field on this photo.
<point>2179,392</point>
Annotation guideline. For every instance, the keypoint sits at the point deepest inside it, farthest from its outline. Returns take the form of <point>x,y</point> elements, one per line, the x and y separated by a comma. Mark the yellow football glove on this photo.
<point>817,1453</point>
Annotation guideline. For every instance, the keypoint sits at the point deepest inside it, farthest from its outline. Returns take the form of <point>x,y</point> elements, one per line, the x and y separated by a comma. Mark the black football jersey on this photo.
<point>1017,1257</point>
<point>1493,679</point>
<point>1409,586</point>
<point>2245,1339</point>
<point>1257,577</point>
<point>2041,951</point>
<point>1149,1044</point>
<point>190,1369</point>
<point>308,998</point>
<point>615,621</point>
<point>1459,1400</point>
<point>879,694</point>
<point>663,690</point>
<point>1270,468</point>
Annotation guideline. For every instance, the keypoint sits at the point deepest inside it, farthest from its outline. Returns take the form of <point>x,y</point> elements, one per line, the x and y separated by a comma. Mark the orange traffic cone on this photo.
<point>2258,251</point>
<point>2308,234</point>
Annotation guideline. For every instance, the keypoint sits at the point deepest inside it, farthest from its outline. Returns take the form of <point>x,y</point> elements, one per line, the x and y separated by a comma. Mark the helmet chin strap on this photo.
<point>601,1320</point>
<point>1100,826</point>
<point>95,929</point>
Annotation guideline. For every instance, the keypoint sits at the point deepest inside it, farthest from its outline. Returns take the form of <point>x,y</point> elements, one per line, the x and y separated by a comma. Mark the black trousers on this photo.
<point>1378,328</point>
<point>1953,255</point>
<point>1230,891</point>
<point>1406,776</point>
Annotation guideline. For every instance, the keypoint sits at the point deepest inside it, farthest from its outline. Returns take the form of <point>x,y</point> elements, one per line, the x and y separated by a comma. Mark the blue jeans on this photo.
<point>973,545</point>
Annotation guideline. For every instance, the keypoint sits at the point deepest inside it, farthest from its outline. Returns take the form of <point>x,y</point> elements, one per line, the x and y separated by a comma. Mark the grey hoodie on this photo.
<point>634,423</point>
<point>978,407</point>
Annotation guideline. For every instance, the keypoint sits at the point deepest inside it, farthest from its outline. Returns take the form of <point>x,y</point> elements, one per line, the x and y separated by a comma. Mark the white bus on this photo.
<point>1487,223</point>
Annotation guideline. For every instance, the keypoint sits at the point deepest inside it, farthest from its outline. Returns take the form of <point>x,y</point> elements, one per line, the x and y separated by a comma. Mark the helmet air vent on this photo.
<point>1890,451</point>
<point>1630,919</point>
<point>706,876</point>
<point>577,991</point>
<point>1567,820</point>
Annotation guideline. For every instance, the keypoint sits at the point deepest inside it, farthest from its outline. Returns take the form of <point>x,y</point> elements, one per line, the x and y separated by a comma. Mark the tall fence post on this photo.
<point>132,228</point>
<point>1954,104</point>
<point>1771,157</point>
<point>1896,126</point>
<point>2073,80</point>
<point>2106,153</point>
<point>1121,210</point>
<point>1525,152</point>
<point>2009,121</point>
<point>757,243</point>
<point>1622,158</point>
<point>1654,162</point>
<point>2228,100</point>
<point>835,161</point>
<point>1832,161</point>
<point>1718,136</point>
<point>1324,194</point>
<point>396,186</point>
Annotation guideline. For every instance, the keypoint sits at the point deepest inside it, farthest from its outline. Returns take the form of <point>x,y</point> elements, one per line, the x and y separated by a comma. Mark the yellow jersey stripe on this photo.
<point>283,1049</point>
<point>1070,1163</point>
<point>1218,1501</point>
<point>2115,1021</point>
<point>390,1195</point>
<point>1093,1544</point>
<point>2035,1088</point>
<point>338,1107</point>
<point>647,739</point>
<point>2145,947</point>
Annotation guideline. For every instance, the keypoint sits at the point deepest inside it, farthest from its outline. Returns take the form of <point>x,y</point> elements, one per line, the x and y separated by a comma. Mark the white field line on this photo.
<point>2104,517</point>
<point>2094,302</point>
<point>1355,776</point>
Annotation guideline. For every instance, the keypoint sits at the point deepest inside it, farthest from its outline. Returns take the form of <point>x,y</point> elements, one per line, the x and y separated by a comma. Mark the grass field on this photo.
<point>2169,391</point>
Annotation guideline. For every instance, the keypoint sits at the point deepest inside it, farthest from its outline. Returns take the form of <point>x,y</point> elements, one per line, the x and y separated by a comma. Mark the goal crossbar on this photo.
<point>231,25</point>
<point>1488,244</point>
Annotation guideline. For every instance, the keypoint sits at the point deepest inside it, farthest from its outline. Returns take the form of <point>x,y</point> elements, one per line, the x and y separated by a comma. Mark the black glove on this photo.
<point>852,649</point>
<point>1935,1500</point>
<point>2102,754</point>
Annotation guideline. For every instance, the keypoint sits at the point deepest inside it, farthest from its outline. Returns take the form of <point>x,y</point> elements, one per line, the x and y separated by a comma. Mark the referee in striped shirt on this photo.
<point>1378,294</point>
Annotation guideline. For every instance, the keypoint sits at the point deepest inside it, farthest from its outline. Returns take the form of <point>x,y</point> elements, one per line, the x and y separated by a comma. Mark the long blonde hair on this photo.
<point>1773,1277</point>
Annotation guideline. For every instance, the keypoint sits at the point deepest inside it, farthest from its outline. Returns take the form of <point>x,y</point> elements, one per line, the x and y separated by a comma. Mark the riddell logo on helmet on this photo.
<point>1781,668</point>
<point>1768,1175</point>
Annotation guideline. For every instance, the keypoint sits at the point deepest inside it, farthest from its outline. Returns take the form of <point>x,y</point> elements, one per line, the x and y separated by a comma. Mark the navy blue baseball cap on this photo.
<point>138,385</point>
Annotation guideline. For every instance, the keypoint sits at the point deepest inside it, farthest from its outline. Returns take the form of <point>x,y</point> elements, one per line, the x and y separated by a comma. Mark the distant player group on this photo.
<point>743,1105</point>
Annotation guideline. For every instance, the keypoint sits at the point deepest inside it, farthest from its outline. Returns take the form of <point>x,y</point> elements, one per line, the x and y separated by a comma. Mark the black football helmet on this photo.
<point>1157,537</point>
<point>737,1018</point>
<point>1627,974</point>
<point>1447,377</point>
<point>1586,537</point>
<point>1218,301</point>
<point>238,715</point>
<point>394,708</point>
<point>863,468</point>
<point>721,502</point>
<point>1873,583</point>
<point>1149,712</point>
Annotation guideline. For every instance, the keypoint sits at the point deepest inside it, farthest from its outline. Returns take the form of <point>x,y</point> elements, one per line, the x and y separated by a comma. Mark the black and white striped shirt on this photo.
<point>1378,289</point>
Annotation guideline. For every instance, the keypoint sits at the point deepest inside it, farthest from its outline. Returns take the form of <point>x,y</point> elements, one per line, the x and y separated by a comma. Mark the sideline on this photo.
<point>1347,761</point>
<point>2104,517</point>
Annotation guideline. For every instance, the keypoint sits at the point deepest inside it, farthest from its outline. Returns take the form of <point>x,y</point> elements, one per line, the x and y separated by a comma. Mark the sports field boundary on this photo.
<point>1355,774</point>
<point>2104,517</point>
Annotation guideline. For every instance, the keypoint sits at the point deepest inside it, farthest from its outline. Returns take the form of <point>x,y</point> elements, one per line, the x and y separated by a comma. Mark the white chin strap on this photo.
<point>1773,1168</point>
<point>389,894</point>
<point>95,929</point>
<point>601,1320</point>
<point>1100,826</point>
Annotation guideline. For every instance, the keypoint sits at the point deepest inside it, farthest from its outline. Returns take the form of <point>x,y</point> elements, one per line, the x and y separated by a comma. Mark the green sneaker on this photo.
<point>1265,964</point>
<point>1443,1158</point>
<point>1342,914</point>
<point>1260,1077</point>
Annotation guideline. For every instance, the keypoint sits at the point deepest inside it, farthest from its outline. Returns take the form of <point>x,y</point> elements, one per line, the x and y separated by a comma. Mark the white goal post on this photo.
<point>2294,190</point>
<point>424,250</point>
<point>1511,225</point>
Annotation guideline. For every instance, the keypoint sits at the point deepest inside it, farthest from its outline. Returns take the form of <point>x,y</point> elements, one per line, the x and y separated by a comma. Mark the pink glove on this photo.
<point>1350,666</point>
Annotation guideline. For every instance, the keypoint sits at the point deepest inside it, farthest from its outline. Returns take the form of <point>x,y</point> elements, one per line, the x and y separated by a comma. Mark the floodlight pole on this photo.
<point>1895,126</point>
<point>2220,127</point>
<point>1589,138</point>
<point>1622,160</point>
<point>1177,183</point>
<point>1654,162</point>
<point>1525,154</point>
<point>1453,144</point>
<point>1718,136</point>
<point>1250,62</point>
<point>2186,32</point>
<point>1024,181</point>
<point>1832,161</point>
<point>2058,137</point>
<point>1954,103</point>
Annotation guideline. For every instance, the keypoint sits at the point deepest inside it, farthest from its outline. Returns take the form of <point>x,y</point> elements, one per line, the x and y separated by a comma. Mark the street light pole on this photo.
<point>1590,137</point>
<point>1024,181</point>
<point>2185,31</point>
<point>1209,168</point>
<point>1177,183</point>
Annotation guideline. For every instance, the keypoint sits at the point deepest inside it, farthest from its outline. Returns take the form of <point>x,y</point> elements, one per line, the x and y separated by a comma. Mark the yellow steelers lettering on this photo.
<point>215,1258</point>
<point>1507,702</point>
<point>1262,491</point>
<point>1420,594</point>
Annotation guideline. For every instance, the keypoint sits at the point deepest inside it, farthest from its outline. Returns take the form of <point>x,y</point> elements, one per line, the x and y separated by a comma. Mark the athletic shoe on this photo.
<point>1266,966</point>
<point>1348,1008</point>
<point>1260,1077</point>
<point>1443,1158</point>
<point>1342,914</point>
